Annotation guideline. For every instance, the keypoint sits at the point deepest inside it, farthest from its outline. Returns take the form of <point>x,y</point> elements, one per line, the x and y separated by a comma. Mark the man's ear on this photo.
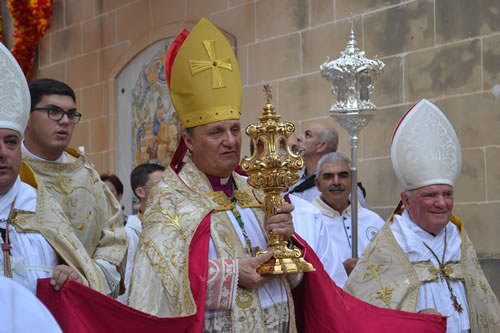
<point>322,147</point>
<point>187,141</point>
<point>316,182</point>
<point>28,124</point>
<point>139,191</point>
<point>404,199</point>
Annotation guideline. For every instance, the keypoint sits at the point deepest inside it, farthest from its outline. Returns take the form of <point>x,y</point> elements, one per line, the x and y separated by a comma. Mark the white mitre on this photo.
<point>14,93</point>
<point>425,148</point>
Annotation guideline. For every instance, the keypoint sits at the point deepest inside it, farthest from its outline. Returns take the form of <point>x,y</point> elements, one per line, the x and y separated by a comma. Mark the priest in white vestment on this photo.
<point>422,259</point>
<point>309,224</point>
<point>333,180</point>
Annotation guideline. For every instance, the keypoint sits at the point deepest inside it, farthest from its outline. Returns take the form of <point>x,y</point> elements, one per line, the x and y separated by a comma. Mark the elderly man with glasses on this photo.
<point>88,203</point>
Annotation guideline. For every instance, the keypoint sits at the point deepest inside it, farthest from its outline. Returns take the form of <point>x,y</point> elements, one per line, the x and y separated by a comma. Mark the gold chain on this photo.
<point>444,275</point>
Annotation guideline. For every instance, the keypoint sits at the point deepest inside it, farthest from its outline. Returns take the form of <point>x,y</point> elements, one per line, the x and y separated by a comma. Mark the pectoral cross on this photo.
<point>198,66</point>
<point>444,273</point>
<point>6,247</point>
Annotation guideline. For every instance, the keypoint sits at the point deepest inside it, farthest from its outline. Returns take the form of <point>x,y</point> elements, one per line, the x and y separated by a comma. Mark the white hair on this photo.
<point>331,157</point>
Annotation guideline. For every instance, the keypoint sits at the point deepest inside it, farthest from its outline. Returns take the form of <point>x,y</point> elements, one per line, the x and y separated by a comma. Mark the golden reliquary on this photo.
<point>272,168</point>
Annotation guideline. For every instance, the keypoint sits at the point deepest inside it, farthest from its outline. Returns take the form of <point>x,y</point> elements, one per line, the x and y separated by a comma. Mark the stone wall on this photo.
<point>445,50</point>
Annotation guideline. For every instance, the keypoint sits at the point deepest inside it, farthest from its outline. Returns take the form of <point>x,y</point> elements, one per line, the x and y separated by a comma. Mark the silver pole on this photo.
<point>354,196</point>
<point>352,76</point>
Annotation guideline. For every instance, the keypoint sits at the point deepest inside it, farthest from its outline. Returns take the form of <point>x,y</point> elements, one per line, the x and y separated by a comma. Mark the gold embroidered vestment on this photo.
<point>386,278</point>
<point>175,209</point>
<point>88,204</point>
<point>50,221</point>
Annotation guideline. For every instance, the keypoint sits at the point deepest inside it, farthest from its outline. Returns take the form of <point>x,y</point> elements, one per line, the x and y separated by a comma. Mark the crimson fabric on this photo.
<point>177,160</point>
<point>174,48</point>
<point>287,198</point>
<point>79,309</point>
<point>400,121</point>
<point>172,53</point>
<point>321,306</point>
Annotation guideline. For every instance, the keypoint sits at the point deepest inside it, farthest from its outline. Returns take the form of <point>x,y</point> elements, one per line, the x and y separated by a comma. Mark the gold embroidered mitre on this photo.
<point>205,84</point>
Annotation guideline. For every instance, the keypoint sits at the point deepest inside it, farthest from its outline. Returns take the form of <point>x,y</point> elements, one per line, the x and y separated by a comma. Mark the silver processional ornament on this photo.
<point>352,76</point>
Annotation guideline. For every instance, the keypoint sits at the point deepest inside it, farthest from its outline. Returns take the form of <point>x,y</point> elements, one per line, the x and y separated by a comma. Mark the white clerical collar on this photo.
<point>424,235</point>
<point>223,181</point>
<point>61,159</point>
<point>22,193</point>
<point>7,198</point>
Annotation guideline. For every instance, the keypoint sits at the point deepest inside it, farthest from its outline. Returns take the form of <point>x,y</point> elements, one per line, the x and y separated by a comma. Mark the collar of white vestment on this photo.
<point>453,219</point>
<point>24,200</point>
<point>329,211</point>
<point>69,153</point>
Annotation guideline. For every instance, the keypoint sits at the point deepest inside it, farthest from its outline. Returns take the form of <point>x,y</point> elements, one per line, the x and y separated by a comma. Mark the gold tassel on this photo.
<point>7,271</point>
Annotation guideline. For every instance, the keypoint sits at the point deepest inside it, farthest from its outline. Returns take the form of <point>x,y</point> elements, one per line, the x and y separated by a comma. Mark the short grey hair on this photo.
<point>189,131</point>
<point>330,136</point>
<point>329,158</point>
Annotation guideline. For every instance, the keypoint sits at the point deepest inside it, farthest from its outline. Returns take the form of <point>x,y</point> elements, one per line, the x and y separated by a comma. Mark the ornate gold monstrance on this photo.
<point>272,168</point>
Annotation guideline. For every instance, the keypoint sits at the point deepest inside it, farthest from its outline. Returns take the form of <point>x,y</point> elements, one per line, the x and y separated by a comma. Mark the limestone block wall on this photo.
<point>445,50</point>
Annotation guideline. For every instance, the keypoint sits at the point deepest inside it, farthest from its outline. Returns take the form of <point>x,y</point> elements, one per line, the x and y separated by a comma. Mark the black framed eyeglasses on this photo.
<point>150,185</point>
<point>57,114</point>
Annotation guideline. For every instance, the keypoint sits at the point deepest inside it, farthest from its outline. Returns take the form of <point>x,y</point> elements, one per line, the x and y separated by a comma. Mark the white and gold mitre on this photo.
<point>425,148</point>
<point>14,93</point>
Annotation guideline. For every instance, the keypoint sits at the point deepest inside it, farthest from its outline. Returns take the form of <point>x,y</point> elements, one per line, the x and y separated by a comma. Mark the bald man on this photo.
<point>318,139</point>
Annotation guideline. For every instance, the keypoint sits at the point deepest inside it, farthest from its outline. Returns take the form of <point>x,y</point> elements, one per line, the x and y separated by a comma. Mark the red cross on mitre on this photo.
<point>198,66</point>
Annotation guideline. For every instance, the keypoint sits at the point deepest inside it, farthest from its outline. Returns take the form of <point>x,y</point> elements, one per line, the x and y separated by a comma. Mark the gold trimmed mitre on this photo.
<point>205,84</point>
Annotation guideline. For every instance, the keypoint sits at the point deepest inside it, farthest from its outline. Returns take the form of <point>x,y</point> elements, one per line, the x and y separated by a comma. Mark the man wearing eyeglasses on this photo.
<point>70,178</point>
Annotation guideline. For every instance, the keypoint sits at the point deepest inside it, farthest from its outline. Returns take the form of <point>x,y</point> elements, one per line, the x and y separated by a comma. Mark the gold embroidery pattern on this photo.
<point>385,295</point>
<point>373,271</point>
<point>62,185</point>
<point>221,200</point>
<point>180,299</point>
<point>245,198</point>
<point>198,66</point>
<point>93,214</point>
<point>244,300</point>
<point>52,224</point>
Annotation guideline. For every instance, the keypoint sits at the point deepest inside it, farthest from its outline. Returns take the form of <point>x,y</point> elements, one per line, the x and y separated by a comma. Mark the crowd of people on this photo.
<point>188,257</point>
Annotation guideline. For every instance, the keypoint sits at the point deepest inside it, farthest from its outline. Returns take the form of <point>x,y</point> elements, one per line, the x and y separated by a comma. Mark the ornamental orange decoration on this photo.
<point>1,26</point>
<point>31,22</point>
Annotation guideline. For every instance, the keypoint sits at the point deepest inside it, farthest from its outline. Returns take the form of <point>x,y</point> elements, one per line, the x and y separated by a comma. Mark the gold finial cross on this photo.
<point>269,93</point>
<point>198,66</point>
